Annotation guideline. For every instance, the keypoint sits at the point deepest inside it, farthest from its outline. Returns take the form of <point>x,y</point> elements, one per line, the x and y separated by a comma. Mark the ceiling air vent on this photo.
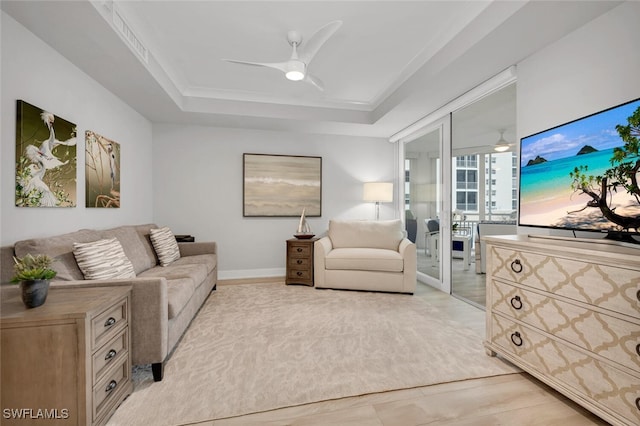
<point>127,33</point>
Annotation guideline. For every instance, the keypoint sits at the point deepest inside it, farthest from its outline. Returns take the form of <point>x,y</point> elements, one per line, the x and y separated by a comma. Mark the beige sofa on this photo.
<point>365,255</point>
<point>164,299</point>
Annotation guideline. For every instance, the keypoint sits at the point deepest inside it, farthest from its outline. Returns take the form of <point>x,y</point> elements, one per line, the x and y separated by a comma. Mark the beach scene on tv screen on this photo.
<point>561,173</point>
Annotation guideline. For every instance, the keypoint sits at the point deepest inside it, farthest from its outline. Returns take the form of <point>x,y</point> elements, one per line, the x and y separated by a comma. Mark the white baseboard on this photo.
<point>251,273</point>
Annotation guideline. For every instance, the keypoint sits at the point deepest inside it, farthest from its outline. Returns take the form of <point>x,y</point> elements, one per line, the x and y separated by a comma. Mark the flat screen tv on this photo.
<point>583,175</point>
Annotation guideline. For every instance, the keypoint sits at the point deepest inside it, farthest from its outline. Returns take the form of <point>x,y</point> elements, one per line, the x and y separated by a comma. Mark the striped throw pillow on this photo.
<point>165,245</point>
<point>103,260</point>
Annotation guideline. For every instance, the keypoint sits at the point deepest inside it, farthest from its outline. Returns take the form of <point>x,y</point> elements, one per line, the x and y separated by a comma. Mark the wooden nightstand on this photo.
<point>300,261</point>
<point>68,359</point>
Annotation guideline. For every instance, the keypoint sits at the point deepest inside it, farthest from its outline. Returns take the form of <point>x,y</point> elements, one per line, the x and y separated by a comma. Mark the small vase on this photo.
<point>34,292</point>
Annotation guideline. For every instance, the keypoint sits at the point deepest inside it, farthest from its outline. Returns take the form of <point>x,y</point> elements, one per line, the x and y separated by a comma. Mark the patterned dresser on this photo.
<point>568,313</point>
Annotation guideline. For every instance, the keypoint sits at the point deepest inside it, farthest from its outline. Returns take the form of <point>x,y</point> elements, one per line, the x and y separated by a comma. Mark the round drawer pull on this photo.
<point>516,302</point>
<point>299,262</point>
<point>111,386</point>
<point>516,339</point>
<point>299,273</point>
<point>638,348</point>
<point>110,322</point>
<point>638,403</point>
<point>516,266</point>
<point>299,250</point>
<point>112,353</point>
<point>638,295</point>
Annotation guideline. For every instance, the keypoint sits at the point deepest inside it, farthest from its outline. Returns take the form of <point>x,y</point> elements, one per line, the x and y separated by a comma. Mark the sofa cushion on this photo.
<point>60,248</point>
<point>165,245</point>
<point>382,234</point>
<point>364,259</point>
<point>136,243</point>
<point>196,272</point>
<point>179,292</point>
<point>208,260</point>
<point>103,260</point>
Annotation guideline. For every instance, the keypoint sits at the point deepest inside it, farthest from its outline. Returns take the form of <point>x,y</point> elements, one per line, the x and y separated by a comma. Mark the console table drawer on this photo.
<point>606,286</point>
<point>614,390</point>
<point>111,352</point>
<point>106,392</point>
<point>610,337</point>
<point>106,324</point>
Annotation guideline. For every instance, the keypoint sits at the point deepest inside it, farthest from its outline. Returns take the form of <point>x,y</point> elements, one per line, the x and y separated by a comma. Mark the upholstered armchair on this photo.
<point>365,255</point>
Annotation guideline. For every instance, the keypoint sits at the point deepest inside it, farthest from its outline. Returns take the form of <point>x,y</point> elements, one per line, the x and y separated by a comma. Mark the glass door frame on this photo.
<point>443,126</point>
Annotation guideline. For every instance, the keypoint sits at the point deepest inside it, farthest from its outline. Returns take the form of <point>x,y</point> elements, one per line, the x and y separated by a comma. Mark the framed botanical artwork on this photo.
<point>102,171</point>
<point>282,185</point>
<point>45,158</point>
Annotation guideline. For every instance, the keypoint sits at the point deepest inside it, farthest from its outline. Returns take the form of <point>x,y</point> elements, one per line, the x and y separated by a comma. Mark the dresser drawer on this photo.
<point>299,250</point>
<point>610,337</point>
<point>105,325</point>
<point>600,285</point>
<point>106,392</point>
<point>111,352</point>
<point>614,390</point>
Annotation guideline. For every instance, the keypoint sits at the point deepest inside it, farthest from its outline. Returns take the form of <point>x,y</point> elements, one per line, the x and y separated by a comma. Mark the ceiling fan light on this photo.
<point>295,70</point>
<point>501,147</point>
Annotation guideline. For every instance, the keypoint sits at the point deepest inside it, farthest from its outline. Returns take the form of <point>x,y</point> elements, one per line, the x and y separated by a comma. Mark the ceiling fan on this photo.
<point>502,145</point>
<point>296,68</point>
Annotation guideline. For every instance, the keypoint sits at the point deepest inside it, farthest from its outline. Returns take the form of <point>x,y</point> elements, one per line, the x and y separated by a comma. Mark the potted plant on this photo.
<point>33,273</point>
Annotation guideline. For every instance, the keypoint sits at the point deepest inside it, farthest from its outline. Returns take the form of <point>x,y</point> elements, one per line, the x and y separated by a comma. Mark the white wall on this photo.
<point>34,72</point>
<point>591,69</point>
<point>198,188</point>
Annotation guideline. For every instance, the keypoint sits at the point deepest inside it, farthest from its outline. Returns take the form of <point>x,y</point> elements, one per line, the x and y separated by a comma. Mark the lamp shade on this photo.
<point>381,192</point>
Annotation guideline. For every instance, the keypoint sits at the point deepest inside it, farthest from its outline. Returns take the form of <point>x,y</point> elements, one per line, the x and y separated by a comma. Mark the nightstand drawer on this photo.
<point>112,352</point>
<point>106,324</point>
<point>296,250</point>
<point>299,274</point>
<point>300,263</point>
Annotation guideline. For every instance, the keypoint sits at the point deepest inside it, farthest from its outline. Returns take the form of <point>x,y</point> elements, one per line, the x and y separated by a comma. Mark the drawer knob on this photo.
<point>516,339</point>
<point>299,262</point>
<point>111,386</point>
<point>110,322</point>
<point>638,295</point>
<point>516,266</point>
<point>516,302</point>
<point>299,273</point>
<point>110,354</point>
<point>638,348</point>
<point>638,403</point>
<point>299,250</point>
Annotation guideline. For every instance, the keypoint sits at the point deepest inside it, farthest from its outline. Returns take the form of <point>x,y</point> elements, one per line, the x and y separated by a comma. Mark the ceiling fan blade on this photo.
<point>315,81</point>
<point>315,42</point>
<point>282,66</point>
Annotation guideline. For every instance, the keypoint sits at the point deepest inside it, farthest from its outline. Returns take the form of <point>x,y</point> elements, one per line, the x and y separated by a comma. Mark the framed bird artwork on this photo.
<point>102,171</point>
<point>45,158</point>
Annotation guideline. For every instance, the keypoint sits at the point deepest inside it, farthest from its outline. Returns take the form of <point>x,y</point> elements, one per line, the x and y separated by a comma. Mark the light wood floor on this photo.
<point>516,399</point>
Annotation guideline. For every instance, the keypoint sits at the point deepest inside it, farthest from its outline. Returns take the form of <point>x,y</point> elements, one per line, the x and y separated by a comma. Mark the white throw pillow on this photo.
<point>165,245</point>
<point>103,260</point>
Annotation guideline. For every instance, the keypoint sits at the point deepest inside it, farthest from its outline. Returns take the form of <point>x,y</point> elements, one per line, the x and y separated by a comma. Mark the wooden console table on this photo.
<point>67,362</point>
<point>300,261</point>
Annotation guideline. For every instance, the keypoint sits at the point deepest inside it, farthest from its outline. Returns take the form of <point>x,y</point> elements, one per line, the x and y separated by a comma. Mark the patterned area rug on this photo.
<point>259,347</point>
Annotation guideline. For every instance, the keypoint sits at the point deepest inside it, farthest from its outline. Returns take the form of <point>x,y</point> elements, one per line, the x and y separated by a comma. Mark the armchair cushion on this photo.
<point>382,234</point>
<point>364,259</point>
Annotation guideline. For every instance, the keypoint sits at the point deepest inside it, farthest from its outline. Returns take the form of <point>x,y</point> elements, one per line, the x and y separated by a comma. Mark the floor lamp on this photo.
<point>378,192</point>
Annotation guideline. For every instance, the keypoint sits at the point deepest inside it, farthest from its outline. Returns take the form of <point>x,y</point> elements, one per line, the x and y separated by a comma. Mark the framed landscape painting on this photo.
<point>282,185</point>
<point>45,158</point>
<point>102,171</point>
